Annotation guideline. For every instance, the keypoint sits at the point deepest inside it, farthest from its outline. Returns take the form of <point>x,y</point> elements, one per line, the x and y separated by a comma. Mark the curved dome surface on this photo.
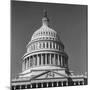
<point>45,31</point>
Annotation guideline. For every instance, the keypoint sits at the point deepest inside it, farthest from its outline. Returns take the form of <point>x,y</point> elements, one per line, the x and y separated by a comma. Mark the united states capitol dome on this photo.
<point>45,50</point>
<point>45,38</point>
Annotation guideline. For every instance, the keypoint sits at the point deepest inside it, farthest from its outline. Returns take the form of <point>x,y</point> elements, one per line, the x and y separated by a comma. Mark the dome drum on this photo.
<point>45,59</point>
<point>45,45</point>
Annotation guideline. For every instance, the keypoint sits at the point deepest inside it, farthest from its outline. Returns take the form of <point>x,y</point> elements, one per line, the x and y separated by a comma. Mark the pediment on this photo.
<point>50,74</point>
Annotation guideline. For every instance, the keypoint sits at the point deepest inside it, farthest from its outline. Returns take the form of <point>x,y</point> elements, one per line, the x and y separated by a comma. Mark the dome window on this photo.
<point>50,45</point>
<point>46,32</point>
<point>53,45</point>
<point>43,45</point>
<point>50,38</point>
<point>47,45</point>
<point>39,45</point>
<point>43,37</point>
<point>49,33</point>
<point>46,37</point>
<point>41,33</point>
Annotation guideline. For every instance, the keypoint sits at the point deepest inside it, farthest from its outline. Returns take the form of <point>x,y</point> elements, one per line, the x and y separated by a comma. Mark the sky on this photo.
<point>70,21</point>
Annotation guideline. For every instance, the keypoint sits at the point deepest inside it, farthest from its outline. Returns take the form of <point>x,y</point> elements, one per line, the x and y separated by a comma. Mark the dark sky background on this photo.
<point>70,21</point>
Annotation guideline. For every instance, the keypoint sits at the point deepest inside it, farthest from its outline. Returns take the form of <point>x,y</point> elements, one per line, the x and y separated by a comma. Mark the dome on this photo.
<point>45,32</point>
<point>45,49</point>
<point>45,38</point>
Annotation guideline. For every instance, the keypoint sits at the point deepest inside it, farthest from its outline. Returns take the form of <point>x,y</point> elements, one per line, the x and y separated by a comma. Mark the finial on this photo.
<point>45,13</point>
<point>45,19</point>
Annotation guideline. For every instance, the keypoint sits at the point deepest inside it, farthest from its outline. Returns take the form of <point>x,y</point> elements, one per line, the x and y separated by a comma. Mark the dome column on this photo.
<point>41,59</point>
<point>54,59</point>
<point>23,65</point>
<point>26,62</point>
<point>49,45</point>
<point>46,59</point>
<point>52,44</point>
<point>61,61</point>
<point>50,58</point>
<point>33,60</point>
<point>37,60</point>
<point>29,62</point>
<point>45,45</point>
<point>55,45</point>
<point>58,60</point>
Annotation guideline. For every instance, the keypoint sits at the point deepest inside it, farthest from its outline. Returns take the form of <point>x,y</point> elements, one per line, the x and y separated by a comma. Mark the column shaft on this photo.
<point>78,82</point>
<point>23,66</point>
<point>20,87</point>
<point>36,85</point>
<point>50,58</point>
<point>62,83</point>
<point>58,60</point>
<point>47,84</point>
<point>57,84</point>
<point>54,60</point>
<point>31,85</point>
<point>52,84</point>
<point>14,87</point>
<point>46,59</point>
<point>74,83</point>
<point>45,45</point>
<point>29,62</point>
<point>37,60</point>
<point>49,45</point>
<point>66,83</point>
<point>61,61</point>
<point>41,59</point>
<point>41,85</point>
<point>55,45</point>
<point>52,44</point>
<point>26,63</point>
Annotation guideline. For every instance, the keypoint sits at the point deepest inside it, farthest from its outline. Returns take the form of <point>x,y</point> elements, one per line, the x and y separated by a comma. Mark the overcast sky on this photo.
<point>70,21</point>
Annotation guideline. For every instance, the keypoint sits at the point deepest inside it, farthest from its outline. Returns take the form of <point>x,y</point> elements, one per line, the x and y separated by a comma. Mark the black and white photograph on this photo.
<point>48,45</point>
